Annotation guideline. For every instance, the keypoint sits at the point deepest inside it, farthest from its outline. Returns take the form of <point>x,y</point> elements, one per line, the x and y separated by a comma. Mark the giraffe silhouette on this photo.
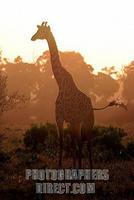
<point>72,105</point>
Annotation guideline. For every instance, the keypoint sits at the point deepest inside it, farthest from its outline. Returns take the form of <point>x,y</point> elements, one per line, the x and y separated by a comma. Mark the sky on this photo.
<point>101,30</point>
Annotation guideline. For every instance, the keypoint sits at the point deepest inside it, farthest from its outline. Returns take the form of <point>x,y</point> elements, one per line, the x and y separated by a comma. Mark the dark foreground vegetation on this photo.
<point>37,147</point>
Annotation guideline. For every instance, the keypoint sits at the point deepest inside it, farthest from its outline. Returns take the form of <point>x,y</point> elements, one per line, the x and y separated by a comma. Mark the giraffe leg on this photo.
<point>73,144</point>
<point>87,136</point>
<point>77,144</point>
<point>61,148</point>
<point>90,153</point>
<point>90,156</point>
<point>73,150</point>
<point>60,131</point>
<point>80,153</point>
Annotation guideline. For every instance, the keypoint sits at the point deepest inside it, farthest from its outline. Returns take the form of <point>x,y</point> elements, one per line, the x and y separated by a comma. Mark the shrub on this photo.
<point>107,142</point>
<point>100,130</point>
<point>4,157</point>
<point>130,148</point>
<point>25,156</point>
<point>42,138</point>
<point>35,137</point>
<point>51,142</point>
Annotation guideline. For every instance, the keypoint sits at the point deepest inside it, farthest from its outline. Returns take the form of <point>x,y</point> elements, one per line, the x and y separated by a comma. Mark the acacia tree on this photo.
<point>8,101</point>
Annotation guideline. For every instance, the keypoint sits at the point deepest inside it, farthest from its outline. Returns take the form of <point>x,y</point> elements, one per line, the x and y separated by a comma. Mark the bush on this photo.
<point>25,156</point>
<point>42,138</point>
<point>35,137</point>
<point>107,142</point>
<point>105,155</point>
<point>130,148</point>
<point>51,143</point>
<point>4,157</point>
<point>100,130</point>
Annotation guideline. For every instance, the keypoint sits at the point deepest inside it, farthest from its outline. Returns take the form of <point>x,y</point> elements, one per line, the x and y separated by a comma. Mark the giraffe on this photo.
<point>72,105</point>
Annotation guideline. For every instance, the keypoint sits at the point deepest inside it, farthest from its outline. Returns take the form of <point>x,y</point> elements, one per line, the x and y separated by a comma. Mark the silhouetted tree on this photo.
<point>128,82</point>
<point>36,81</point>
<point>8,101</point>
<point>18,60</point>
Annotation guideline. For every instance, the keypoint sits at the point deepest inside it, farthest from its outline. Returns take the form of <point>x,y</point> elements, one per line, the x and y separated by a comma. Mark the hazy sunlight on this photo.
<point>102,31</point>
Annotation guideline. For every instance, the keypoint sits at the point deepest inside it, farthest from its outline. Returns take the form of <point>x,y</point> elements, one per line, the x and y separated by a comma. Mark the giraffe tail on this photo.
<point>113,103</point>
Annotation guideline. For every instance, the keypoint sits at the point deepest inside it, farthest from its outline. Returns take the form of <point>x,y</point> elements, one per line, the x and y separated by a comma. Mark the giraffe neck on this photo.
<point>63,77</point>
<point>55,59</point>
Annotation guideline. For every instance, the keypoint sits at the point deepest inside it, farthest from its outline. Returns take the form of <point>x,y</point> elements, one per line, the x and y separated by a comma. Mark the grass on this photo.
<point>13,185</point>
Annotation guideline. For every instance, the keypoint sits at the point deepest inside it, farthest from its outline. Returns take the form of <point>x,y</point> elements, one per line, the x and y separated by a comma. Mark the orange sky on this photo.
<point>101,30</point>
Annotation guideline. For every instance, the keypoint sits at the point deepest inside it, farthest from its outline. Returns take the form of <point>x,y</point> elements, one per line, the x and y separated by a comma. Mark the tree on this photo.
<point>128,82</point>
<point>8,101</point>
<point>18,60</point>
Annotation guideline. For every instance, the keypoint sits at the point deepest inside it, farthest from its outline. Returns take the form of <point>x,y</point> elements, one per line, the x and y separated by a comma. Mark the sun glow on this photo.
<point>102,31</point>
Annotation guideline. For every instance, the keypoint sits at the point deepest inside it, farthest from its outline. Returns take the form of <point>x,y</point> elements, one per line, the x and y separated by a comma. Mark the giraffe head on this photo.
<point>42,32</point>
